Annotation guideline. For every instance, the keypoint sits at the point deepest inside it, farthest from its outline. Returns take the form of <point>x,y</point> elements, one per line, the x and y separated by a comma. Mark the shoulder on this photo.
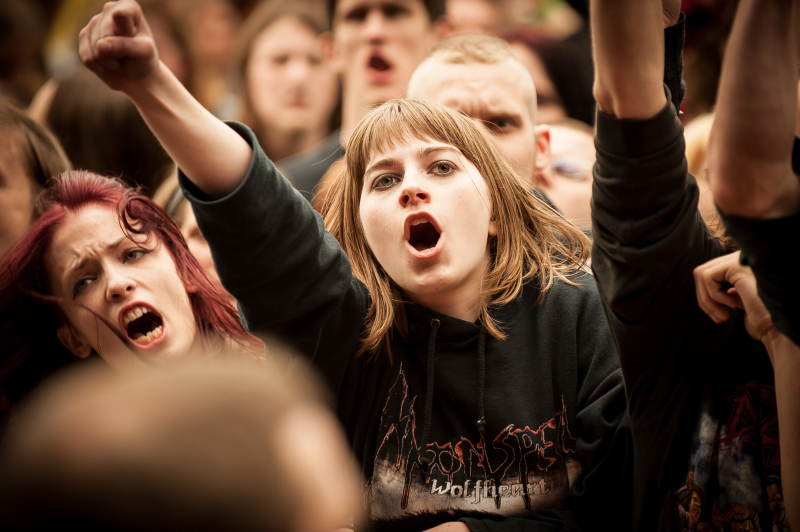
<point>570,304</point>
<point>576,293</point>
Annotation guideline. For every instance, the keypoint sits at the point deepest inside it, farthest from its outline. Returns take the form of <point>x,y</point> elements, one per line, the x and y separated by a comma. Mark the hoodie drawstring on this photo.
<point>426,461</point>
<point>481,423</point>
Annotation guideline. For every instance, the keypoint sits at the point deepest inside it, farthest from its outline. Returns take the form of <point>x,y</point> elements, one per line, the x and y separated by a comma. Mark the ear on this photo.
<point>74,341</point>
<point>542,176</point>
<point>543,153</point>
<point>492,227</point>
<point>331,52</point>
<point>443,28</point>
<point>326,43</point>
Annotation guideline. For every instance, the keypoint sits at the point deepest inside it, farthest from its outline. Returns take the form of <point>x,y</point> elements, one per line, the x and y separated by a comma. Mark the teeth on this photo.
<point>149,337</point>
<point>133,314</point>
<point>418,221</point>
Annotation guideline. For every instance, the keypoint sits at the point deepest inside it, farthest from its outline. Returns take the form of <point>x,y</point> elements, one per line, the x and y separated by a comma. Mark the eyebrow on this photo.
<point>422,152</point>
<point>70,271</point>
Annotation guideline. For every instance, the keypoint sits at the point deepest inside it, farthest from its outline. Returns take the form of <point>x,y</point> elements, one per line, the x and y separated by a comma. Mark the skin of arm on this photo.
<point>724,283</point>
<point>118,47</point>
<point>750,148</point>
<point>628,41</point>
<point>785,356</point>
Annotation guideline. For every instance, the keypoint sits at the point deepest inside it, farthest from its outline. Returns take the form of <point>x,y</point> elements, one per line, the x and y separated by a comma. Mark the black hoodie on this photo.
<point>550,397</point>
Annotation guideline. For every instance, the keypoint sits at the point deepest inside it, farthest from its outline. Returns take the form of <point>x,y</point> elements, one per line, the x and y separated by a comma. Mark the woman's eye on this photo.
<point>81,285</point>
<point>443,168</point>
<point>383,182</point>
<point>133,254</point>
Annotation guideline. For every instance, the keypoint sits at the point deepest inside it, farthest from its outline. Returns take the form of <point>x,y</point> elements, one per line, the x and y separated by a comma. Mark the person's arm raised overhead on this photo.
<point>628,41</point>
<point>118,46</point>
<point>750,149</point>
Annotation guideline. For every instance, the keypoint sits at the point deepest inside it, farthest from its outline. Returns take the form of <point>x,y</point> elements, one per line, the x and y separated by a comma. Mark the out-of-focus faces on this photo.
<point>426,214</point>
<point>16,191</point>
<point>570,189</point>
<point>213,25</point>
<point>132,284</point>
<point>497,96</point>
<point>291,86</point>
<point>377,44</point>
<point>550,106</point>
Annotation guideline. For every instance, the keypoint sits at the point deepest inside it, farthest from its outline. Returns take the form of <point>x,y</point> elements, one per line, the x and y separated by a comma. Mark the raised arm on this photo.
<point>118,46</point>
<point>750,149</point>
<point>628,42</point>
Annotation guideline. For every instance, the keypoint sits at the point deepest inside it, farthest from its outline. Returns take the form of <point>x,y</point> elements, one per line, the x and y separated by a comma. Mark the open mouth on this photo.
<point>423,235</point>
<point>378,63</point>
<point>143,325</point>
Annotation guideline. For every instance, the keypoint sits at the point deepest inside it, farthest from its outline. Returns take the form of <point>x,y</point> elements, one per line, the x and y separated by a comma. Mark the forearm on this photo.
<point>786,361</point>
<point>628,42</point>
<point>750,149</point>
<point>213,156</point>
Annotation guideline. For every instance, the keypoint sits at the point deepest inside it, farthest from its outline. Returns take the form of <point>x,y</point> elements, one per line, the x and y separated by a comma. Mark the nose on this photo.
<point>119,285</point>
<point>299,69</point>
<point>412,192</point>
<point>375,26</point>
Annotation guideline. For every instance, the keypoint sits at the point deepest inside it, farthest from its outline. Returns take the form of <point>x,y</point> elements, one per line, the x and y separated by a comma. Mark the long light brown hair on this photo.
<point>533,243</point>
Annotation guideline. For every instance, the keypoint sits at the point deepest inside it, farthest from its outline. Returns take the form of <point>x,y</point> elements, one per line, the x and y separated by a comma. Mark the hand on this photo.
<point>118,46</point>
<point>450,527</point>
<point>672,12</point>
<point>715,298</point>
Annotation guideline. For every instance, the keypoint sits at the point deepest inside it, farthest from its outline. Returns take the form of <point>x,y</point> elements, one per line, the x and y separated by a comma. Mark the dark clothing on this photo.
<point>701,396</point>
<point>551,394</point>
<point>766,247</point>
<point>305,170</point>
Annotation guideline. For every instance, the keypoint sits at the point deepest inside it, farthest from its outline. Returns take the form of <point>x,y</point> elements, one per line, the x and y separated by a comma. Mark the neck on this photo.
<point>355,106</point>
<point>281,144</point>
<point>462,304</point>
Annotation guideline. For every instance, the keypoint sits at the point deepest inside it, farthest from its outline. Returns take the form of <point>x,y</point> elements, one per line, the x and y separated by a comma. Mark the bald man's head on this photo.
<point>479,76</point>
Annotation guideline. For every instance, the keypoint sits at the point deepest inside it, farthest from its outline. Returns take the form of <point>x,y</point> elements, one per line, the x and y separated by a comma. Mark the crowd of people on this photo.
<point>403,265</point>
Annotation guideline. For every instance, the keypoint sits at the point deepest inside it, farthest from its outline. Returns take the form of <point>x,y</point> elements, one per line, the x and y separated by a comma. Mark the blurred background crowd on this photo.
<point>269,64</point>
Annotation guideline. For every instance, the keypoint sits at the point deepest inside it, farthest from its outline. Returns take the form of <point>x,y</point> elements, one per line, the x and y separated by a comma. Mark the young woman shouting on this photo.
<point>446,306</point>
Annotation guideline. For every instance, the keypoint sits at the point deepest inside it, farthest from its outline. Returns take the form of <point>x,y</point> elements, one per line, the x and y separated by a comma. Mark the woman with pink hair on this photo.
<point>105,271</point>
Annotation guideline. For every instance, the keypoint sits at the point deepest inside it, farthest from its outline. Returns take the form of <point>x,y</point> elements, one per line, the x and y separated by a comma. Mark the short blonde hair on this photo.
<point>478,49</point>
<point>533,242</point>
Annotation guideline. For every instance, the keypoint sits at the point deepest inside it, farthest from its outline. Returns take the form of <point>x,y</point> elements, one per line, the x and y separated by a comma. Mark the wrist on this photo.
<point>151,88</point>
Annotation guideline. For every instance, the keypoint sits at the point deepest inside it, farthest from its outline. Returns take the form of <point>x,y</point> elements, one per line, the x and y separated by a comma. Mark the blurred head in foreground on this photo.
<point>212,445</point>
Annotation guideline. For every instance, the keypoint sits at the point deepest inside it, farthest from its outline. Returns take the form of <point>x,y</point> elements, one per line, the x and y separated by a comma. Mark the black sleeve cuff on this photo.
<point>673,61</point>
<point>638,137</point>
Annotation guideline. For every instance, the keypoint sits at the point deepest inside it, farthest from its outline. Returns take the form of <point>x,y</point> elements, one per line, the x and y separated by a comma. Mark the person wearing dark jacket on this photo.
<point>446,306</point>
<point>753,176</point>
<point>701,394</point>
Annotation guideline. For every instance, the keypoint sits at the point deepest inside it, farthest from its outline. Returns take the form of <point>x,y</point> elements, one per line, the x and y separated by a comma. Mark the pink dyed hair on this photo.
<point>29,348</point>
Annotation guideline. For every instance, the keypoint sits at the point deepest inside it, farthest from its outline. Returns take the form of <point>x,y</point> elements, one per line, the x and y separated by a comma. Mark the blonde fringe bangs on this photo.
<point>533,242</point>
